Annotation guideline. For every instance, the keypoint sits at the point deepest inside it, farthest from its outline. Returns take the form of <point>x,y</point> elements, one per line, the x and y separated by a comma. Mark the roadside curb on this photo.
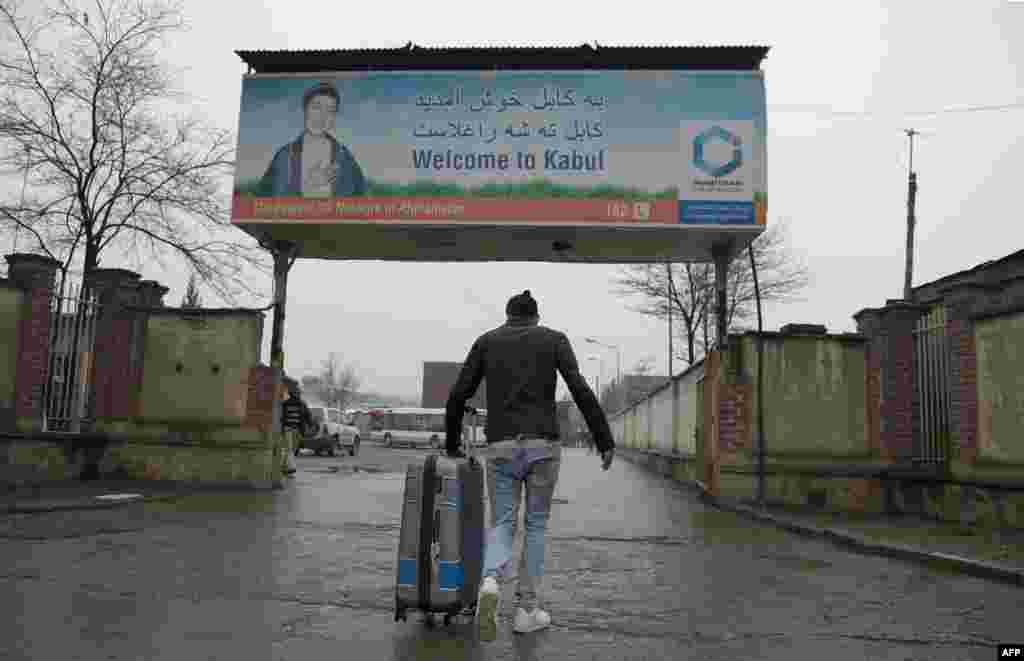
<point>856,543</point>
<point>80,504</point>
<point>976,568</point>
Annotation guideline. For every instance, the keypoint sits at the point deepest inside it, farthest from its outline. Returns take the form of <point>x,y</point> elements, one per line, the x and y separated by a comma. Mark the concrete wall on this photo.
<point>999,343</point>
<point>666,420</point>
<point>814,392</point>
<point>204,409</point>
<point>687,408</point>
<point>196,368</point>
<point>661,421</point>
<point>11,301</point>
<point>820,448</point>
<point>815,414</point>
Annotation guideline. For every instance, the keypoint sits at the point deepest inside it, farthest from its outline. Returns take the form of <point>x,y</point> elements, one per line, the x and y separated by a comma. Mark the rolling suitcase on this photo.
<point>441,543</point>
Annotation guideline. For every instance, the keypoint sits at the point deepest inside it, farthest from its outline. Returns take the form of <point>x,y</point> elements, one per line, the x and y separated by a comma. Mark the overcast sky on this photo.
<point>843,81</point>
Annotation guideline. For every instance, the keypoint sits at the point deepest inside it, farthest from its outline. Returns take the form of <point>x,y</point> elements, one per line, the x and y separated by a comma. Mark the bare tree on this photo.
<point>191,299</point>
<point>644,366</point>
<point>633,385</point>
<point>87,118</point>
<point>780,277</point>
<point>335,385</point>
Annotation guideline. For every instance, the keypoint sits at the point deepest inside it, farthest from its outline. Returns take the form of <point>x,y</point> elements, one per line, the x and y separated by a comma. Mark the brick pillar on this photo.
<point>869,323</point>
<point>710,469</point>
<point>35,275</point>
<point>891,347</point>
<point>961,303</point>
<point>114,368</point>
<point>261,403</point>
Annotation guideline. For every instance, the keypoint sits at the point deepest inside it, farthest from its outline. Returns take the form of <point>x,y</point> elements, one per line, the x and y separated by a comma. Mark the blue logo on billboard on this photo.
<point>710,136</point>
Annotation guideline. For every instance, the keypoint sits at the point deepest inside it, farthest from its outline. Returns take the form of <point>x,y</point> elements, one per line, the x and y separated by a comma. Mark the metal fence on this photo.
<point>932,368</point>
<point>73,315</point>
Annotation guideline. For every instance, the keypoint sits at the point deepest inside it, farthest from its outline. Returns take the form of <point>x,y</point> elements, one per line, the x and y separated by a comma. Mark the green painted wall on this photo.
<point>215,354</point>
<point>689,412</point>
<point>814,391</point>
<point>196,464</point>
<point>1000,378</point>
<point>10,314</point>
<point>661,408</point>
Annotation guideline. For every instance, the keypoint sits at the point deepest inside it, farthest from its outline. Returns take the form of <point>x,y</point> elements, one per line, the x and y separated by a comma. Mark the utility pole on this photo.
<point>911,200</point>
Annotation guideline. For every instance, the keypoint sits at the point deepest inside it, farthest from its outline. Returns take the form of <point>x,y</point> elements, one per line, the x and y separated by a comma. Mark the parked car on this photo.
<point>324,435</point>
<point>349,435</point>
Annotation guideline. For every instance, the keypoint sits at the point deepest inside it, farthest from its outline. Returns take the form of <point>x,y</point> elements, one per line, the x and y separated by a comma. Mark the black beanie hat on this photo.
<point>521,305</point>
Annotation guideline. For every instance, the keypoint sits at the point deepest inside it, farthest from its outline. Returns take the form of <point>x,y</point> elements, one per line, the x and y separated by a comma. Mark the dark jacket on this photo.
<point>521,362</point>
<point>296,415</point>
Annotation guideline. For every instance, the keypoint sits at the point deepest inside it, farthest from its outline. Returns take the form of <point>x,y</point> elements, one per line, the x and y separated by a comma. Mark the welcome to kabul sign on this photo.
<point>655,148</point>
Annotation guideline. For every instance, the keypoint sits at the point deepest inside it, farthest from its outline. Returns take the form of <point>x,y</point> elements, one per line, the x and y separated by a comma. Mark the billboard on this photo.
<point>587,147</point>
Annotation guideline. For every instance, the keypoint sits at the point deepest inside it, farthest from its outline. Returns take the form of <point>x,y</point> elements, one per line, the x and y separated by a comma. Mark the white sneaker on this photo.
<point>487,609</point>
<point>535,620</point>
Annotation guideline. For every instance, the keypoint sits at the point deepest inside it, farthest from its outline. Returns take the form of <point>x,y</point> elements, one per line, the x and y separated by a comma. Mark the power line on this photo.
<point>843,114</point>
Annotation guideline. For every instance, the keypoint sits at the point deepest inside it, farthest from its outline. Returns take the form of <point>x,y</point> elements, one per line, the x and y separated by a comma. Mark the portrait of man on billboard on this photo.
<point>315,164</point>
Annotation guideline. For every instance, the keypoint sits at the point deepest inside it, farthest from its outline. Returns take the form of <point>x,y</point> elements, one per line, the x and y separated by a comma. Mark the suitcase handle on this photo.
<point>437,525</point>
<point>471,441</point>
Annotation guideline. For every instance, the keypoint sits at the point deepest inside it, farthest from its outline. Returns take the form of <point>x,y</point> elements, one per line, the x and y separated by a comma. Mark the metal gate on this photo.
<point>931,379</point>
<point>69,371</point>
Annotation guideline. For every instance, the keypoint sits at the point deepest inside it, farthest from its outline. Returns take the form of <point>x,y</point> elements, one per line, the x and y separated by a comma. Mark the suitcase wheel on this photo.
<point>399,612</point>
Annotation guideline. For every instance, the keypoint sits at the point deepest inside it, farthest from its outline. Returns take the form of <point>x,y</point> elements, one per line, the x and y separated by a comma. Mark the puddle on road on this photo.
<point>797,563</point>
<point>345,469</point>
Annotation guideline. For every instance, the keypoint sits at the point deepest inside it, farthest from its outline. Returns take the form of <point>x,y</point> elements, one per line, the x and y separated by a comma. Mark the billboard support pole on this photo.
<point>284,257</point>
<point>720,254</point>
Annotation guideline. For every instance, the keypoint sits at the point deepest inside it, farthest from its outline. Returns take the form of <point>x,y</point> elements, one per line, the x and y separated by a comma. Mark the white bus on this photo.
<point>414,427</point>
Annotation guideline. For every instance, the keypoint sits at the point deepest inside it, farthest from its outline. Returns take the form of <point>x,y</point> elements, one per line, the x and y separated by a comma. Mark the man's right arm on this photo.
<point>584,397</point>
<point>468,381</point>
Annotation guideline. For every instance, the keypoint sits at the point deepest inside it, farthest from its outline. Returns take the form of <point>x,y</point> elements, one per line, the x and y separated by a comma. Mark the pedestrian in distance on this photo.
<point>295,419</point>
<point>520,360</point>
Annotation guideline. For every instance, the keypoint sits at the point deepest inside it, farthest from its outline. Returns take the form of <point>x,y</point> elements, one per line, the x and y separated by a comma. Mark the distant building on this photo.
<point>993,278</point>
<point>438,379</point>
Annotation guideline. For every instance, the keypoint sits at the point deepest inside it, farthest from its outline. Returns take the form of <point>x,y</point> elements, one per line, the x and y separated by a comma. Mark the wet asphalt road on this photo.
<point>636,569</point>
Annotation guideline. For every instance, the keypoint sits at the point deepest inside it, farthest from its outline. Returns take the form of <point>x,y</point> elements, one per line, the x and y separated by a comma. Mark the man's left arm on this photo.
<point>465,387</point>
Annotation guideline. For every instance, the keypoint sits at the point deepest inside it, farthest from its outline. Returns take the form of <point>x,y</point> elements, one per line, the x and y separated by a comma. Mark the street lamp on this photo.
<point>618,365</point>
<point>618,356</point>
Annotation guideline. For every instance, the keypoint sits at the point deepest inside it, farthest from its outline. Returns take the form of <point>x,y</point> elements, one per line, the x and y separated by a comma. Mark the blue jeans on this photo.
<point>512,466</point>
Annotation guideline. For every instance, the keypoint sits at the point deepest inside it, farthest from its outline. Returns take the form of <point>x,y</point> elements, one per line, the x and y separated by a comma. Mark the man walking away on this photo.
<point>295,416</point>
<point>521,361</point>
